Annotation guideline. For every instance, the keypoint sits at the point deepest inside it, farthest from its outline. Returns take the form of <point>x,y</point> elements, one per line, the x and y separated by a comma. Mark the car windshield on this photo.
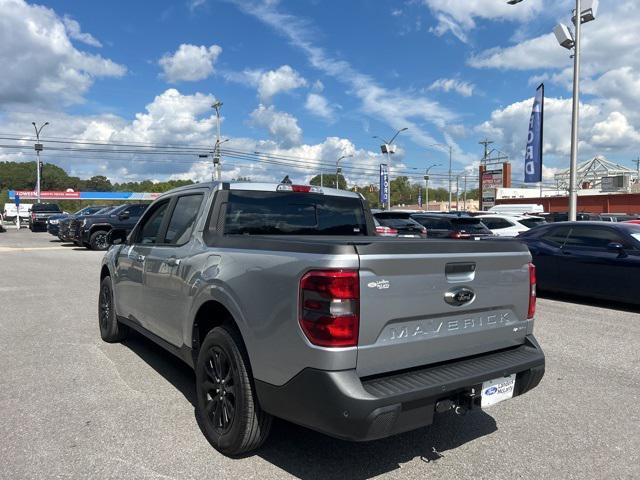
<point>46,207</point>
<point>532,222</point>
<point>292,213</point>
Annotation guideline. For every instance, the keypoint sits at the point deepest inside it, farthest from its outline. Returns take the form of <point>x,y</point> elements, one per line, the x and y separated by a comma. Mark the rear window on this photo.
<point>46,207</point>
<point>432,223</point>
<point>402,223</point>
<point>469,225</point>
<point>292,213</point>
<point>532,222</point>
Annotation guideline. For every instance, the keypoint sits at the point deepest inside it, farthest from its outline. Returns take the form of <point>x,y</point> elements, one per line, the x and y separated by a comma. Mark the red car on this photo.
<point>637,222</point>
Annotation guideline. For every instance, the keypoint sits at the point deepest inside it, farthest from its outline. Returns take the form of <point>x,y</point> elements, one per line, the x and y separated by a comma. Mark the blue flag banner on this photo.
<point>533,155</point>
<point>384,184</point>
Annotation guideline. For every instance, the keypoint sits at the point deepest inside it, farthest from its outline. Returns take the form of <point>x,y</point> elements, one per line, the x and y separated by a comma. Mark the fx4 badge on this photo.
<point>380,284</point>
<point>459,296</point>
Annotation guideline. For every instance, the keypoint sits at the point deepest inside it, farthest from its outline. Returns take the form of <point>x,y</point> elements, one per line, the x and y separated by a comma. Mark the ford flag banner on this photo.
<point>384,184</point>
<point>533,155</point>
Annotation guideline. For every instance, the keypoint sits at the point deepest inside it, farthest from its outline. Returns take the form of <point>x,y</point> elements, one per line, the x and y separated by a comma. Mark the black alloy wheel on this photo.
<point>219,388</point>
<point>110,329</point>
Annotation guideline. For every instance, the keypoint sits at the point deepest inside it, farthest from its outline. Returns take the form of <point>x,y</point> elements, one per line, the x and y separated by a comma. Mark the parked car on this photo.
<point>452,226</point>
<point>402,223</point>
<point>53,222</point>
<point>637,222</point>
<point>510,225</point>
<point>67,228</point>
<point>39,214</point>
<point>91,231</point>
<point>287,304</point>
<point>593,259</point>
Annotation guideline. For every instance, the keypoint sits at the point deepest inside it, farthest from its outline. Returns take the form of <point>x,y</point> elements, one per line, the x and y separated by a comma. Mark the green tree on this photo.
<point>329,180</point>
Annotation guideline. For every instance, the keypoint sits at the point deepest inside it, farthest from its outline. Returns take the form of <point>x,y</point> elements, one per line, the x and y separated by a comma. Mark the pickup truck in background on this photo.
<point>11,212</point>
<point>40,213</point>
<point>287,304</point>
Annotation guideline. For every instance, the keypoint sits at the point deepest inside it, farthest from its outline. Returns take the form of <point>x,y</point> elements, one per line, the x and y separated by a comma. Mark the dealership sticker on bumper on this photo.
<point>494,391</point>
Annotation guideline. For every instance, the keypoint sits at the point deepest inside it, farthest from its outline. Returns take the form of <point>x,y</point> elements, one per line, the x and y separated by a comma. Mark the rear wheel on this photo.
<point>227,406</point>
<point>110,329</point>
<point>98,240</point>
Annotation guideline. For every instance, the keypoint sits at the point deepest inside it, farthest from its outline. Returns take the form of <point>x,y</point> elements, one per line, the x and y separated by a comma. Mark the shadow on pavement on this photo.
<point>309,455</point>
<point>592,302</point>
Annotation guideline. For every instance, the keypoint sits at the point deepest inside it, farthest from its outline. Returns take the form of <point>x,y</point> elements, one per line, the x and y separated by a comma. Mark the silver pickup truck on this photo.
<point>286,304</point>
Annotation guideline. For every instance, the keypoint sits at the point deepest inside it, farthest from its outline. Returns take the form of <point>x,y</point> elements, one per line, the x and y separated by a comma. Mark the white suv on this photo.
<point>510,225</point>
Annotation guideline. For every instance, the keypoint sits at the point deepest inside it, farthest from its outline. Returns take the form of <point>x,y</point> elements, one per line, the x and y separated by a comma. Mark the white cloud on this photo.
<point>459,16</point>
<point>396,107</point>
<point>318,105</point>
<point>194,4</point>
<point>615,132</point>
<point>43,66</point>
<point>282,126</point>
<point>189,63</point>
<point>273,82</point>
<point>451,84</point>
<point>74,31</point>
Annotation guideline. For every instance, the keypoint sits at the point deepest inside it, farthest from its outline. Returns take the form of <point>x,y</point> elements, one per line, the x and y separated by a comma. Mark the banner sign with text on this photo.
<point>384,184</point>
<point>533,155</point>
<point>64,195</point>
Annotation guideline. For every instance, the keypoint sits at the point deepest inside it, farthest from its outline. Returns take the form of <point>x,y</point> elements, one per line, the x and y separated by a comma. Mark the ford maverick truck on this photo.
<point>287,304</point>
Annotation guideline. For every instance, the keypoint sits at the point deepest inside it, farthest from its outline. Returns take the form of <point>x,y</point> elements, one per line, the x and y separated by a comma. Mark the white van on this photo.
<point>10,212</point>
<point>517,209</point>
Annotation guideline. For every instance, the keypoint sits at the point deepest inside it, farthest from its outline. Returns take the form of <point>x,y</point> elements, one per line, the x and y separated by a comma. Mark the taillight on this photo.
<point>33,216</point>
<point>330,307</point>
<point>386,231</point>
<point>532,291</point>
<point>423,232</point>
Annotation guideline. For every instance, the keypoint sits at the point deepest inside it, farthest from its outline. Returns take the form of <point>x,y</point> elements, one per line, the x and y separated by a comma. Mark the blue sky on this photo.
<point>314,80</point>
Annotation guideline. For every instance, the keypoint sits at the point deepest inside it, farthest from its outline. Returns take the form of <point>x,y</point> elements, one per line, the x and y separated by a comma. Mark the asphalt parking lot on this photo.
<point>75,407</point>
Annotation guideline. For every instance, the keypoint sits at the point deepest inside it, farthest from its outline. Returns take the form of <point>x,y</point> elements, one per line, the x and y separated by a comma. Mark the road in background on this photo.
<point>75,407</point>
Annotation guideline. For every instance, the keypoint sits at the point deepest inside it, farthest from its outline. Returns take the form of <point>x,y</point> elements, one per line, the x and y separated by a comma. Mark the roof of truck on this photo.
<point>258,187</point>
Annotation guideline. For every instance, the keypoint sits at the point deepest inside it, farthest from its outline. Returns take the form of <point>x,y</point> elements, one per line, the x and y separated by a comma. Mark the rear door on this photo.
<point>405,320</point>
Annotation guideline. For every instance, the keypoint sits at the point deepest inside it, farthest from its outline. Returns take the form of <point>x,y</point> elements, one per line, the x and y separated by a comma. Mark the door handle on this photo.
<point>173,261</point>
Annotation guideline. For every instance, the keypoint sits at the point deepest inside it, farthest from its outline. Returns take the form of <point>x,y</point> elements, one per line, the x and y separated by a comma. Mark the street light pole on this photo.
<point>388,149</point>
<point>426,179</point>
<point>338,169</point>
<point>573,165</point>
<point>450,161</point>
<point>38,148</point>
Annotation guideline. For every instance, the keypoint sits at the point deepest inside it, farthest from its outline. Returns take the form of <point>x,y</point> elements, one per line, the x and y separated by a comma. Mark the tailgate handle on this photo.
<point>460,272</point>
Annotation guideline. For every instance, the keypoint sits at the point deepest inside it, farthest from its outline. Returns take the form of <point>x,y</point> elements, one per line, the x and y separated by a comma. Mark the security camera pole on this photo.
<point>338,170</point>
<point>585,12</point>
<point>216,149</point>
<point>38,147</point>
<point>426,179</point>
<point>388,148</point>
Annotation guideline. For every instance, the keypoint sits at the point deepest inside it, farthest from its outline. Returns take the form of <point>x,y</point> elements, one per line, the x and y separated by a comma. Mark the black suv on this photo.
<point>91,231</point>
<point>452,226</point>
<point>40,213</point>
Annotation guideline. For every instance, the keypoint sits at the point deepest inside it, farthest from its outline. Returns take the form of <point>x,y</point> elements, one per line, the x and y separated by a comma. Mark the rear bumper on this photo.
<point>342,405</point>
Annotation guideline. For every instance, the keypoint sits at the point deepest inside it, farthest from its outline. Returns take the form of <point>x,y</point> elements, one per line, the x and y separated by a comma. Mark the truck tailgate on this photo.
<point>405,319</point>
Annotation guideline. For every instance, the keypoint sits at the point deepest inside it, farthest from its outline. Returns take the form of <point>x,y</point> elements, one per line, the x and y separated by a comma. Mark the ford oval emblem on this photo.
<point>490,391</point>
<point>459,296</point>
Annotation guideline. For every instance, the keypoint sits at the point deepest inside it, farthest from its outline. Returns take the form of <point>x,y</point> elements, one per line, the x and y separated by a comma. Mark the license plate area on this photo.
<point>497,390</point>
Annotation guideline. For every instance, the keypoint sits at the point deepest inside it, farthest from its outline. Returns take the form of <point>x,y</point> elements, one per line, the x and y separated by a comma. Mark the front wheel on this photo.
<point>98,240</point>
<point>227,407</point>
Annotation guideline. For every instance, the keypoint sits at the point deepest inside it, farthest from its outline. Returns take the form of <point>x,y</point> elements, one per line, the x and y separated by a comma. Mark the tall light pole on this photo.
<point>426,179</point>
<point>216,150</point>
<point>450,160</point>
<point>338,169</point>
<point>389,148</point>
<point>38,148</point>
<point>584,12</point>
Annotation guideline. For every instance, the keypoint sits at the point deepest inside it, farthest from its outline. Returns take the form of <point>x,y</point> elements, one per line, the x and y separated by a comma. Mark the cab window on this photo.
<point>183,219</point>
<point>151,224</point>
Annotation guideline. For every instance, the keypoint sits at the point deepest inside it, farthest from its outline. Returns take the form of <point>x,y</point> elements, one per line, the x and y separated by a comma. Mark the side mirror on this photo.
<point>124,216</point>
<point>117,236</point>
<point>616,247</point>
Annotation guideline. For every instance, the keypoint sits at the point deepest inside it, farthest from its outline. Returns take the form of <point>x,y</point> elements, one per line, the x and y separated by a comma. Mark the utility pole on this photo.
<point>465,193</point>
<point>573,165</point>
<point>486,142</point>
<point>216,150</point>
<point>457,193</point>
<point>38,148</point>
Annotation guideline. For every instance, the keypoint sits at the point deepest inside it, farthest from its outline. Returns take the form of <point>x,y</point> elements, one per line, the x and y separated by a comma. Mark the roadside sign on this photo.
<point>17,201</point>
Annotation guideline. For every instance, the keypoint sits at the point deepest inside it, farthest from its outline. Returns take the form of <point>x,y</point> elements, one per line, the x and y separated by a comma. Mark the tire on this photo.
<point>98,240</point>
<point>223,367</point>
<point>111,330</point>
